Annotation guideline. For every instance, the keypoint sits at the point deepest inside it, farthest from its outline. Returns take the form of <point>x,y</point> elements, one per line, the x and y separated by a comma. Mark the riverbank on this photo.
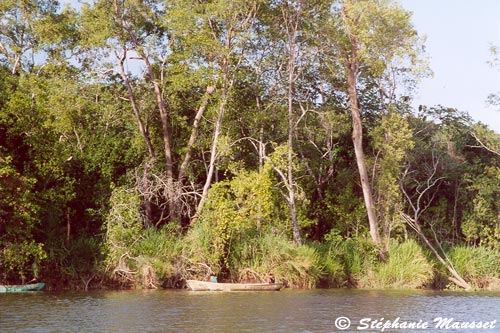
<point>160,261</point>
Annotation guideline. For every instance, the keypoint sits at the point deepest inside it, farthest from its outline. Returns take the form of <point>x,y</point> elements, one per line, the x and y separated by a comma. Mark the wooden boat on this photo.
<point>16,288</point>
<point>196,285</point>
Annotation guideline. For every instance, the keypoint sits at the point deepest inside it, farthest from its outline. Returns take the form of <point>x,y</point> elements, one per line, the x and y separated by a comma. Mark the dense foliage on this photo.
<point>143,143</point>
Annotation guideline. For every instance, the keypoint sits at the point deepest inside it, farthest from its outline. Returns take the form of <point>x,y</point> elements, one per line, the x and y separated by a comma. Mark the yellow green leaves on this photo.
<point>393,137</point>
<point>20,256</point>
<point>381,32</point>
<point>245,202</point>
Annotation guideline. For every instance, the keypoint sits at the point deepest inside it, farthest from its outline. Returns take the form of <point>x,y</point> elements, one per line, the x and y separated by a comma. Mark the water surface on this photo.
<point>284,311</point>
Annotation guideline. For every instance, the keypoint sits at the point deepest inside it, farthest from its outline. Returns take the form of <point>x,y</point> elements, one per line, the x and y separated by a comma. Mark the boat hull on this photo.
<point>21,287</point>
<point>196,285</point>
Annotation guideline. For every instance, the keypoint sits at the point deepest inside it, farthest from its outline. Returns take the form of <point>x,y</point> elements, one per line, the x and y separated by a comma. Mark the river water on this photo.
<point>284,311</point>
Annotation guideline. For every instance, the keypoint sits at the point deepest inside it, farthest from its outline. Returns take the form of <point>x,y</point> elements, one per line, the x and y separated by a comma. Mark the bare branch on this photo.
<point>483,145</point>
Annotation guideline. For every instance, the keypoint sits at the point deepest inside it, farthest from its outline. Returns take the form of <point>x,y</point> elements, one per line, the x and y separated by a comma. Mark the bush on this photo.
<point>82,261</point>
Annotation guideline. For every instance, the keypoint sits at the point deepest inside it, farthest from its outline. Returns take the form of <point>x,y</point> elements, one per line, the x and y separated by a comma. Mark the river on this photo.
<point>284,311</point>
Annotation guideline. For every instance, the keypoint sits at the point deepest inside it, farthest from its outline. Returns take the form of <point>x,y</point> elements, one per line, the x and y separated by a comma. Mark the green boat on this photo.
<point>17,288</point>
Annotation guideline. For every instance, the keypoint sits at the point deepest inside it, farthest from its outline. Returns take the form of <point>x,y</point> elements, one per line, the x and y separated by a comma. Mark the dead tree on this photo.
<point>419,199</point>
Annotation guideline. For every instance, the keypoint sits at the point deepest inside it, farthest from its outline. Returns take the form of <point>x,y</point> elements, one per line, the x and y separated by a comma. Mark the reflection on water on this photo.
<point>284,311</point>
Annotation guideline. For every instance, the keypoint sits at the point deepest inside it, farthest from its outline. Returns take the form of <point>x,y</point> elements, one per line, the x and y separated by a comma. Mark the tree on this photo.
<point>159,35</point>
<point>481,222</point>
<point>230,29</point>
<point>371,35</point>
<point>486,139</point>
<point>291,34</point>
<point>133,30</point>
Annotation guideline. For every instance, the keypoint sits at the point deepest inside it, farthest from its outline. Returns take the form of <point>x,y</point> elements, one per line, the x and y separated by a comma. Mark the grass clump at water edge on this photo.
<point>406,268</point>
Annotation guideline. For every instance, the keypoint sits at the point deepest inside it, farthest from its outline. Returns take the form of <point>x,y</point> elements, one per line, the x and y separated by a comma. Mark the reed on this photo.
<point>157,257</point>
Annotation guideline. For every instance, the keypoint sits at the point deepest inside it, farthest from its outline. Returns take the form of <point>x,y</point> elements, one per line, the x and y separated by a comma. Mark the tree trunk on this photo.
<point>160,102</point>
<point>357,138</point>
<point>144,133</point>
<point>135,108</point>
<point>172,206</point>
<point>194,132</point>
<point>226,86</point>
<point>291,133</point>
<point>213,155</point>
<point>457,279</point>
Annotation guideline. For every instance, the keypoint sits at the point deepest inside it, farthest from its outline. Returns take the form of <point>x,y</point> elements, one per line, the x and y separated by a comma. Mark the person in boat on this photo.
<point>213,278</point>
<point>271,279</point>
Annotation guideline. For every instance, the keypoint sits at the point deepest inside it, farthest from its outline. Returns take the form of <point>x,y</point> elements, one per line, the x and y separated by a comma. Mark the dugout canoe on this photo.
<point>196,285</point>
<point>16,288</point>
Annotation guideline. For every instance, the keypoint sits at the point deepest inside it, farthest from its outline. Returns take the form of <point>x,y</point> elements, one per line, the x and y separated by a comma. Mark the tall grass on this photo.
<point>199,258</point>
<point>406,268</point>
<point>256,255</point>
<point>157,257</point>
<point>346,261</point>
<point>480,266</point>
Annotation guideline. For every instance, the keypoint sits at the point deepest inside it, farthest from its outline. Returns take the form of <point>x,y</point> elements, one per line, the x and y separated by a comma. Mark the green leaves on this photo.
<point>481,223</point>
<point>392,141</point>
<point>18,220</point>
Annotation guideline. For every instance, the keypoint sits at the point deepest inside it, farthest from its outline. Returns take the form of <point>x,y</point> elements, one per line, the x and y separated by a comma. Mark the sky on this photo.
<point>459,35</point>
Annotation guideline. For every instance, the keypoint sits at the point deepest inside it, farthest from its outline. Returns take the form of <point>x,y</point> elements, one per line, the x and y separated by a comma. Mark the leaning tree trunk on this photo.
<point>357,138</point>
<point>457,279</point>
<point>194,132</point>
<point>135,107</point>
<point>144,183</point>
<point>227,81</point>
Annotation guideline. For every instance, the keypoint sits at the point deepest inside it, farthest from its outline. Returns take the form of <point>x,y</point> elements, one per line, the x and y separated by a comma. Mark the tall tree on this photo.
<point>289,28</point>
<point>230,25</point>
<point>369,35</point>
<point>172,41</point>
